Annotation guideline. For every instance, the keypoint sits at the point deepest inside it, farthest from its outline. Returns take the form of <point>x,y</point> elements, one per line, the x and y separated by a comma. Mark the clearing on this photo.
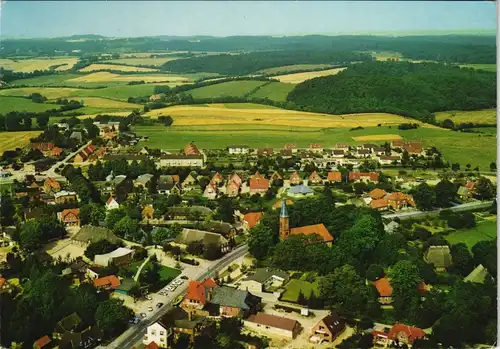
<point>226,89</point>
<point>275,91</point>
<point>291,68</point>
<point>30,65</point>
<point>294,287</point>
<point>94,67</point>
<point>377,138</point>
<point>106,76</point>
<point>484,230</point>
<point>17,139</point>
<point>300,77</point>
<point>8,104</point>
<point>484,116</point>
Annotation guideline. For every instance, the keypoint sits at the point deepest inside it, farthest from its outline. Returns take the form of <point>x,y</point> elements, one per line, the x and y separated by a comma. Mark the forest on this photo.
<point>410,89</point>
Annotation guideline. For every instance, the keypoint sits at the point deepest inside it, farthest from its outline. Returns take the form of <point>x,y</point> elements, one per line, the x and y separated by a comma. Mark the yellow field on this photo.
<point>485,116</point>
<point>94,67</point>
<point>105,76</point>
<point>13,140</point>
<point>49,92</point>
<point>117,113</point>
<point>144,54</point>
<point>216,114</point>
<point>97,102</point>
<point>144,60</point>
<point>299,77</point>
<point>377,138</point>
<point>30,65</point>
<point>294,67</point>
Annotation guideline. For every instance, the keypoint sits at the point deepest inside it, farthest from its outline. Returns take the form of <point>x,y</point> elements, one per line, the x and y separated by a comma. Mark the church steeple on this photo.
<point>284,221</point>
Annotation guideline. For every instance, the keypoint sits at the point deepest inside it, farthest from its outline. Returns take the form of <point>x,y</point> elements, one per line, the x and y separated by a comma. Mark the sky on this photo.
<point>226,18</point>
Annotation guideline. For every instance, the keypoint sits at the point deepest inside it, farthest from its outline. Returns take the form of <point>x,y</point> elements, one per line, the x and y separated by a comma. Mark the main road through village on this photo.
<point>133,336</point>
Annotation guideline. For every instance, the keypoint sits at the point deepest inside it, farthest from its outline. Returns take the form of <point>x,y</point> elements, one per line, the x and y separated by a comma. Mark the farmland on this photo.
<point>226,89</point>
<point>484,230</point>
<point>486,116</point>
<point>106,76</point>
<point>94,67</point>
<point>300,77</point>
<point>275,91</point>
<point>8,104</point>
<point>109,103</point>
<point>13,140</point>
<point>30,65</point>
<point>157,61</point>
<point>292,68</point>
<point>45,80</point>
<point>49,92</point>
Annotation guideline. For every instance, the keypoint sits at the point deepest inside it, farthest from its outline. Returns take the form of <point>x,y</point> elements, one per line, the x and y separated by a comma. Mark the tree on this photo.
<point>404,277</point>
<point>230,326</point>
<point>113,217</point>
<point>128,228</point>
<point>447,123</point>
<point>493,167</point>
<point>112,317</point>
<point>485,189</point>
<point>388,249</point>
<point>152,275</point>
<point>7,210</point>
<point>462,259</point>
<point>92,214</point>
<point>30,237</point>
<point>261,241</point>
<point>42,120</point>
<point>301,299</point>
<point>212,251</point>
<point>195,248</point>
<point>425,197</point>
<point>99,247</point>
<point>445,193</point>
<point>225,210</point>
<point>374,272</point>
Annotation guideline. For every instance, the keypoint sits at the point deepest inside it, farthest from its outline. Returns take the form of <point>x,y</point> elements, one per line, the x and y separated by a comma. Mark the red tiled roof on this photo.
<point>380,203</point>
<point>74,211</point>
<point>278,204</point>
<point>42,146</point>
<point>191,149</point>
<point>377,193</point>
<point>41,342</point>
<point>295,177</point>
<point>217,177</point>
<point>253,218</point>
<point>314,145</point>
<point>107,281</point>
<point>175,178</point>
<point>398,196</point>
<point>383,286</point>
<point>319,229</point>
<point>314,176</point>
<point>197,290</point>
<point>335,176</point>
<point>273,321</point>
<point>57,151</point>
<point>51,182</point>
<point>151,345</point>
<point>290,146</point>
<point>470,185</point>
<point>109,200</point>
<point>412,332</point>
<point>357,175</point>
<point>258,183</point>
<point>236,179</point>
<point>264,151</point>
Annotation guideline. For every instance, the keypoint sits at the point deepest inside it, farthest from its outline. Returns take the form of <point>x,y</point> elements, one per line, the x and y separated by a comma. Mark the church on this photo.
<point>318,229</point>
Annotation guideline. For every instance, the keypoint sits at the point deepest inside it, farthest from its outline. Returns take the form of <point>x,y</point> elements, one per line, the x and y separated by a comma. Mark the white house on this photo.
<point>112,204</point>
<point>121,255</point>
<point>263,279</point>
<point>157,333</point>
<point>238,149</point>
<point>180,160</point>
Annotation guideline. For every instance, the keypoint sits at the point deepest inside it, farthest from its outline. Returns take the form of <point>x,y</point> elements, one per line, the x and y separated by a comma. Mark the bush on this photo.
<point>189,261</point>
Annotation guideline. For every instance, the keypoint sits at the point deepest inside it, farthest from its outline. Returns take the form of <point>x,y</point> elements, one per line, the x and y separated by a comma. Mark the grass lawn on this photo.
<point>166,273</point>
<point>225,89</point>
<point>8,104</point>
<point>484,230</point>
<point>485,116</point>
<point>294,287</point>
<point>18,139</point>
<point>275,91</point>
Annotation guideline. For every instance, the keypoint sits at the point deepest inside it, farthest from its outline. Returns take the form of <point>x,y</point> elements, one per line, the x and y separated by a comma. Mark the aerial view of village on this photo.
<point>232,175</point>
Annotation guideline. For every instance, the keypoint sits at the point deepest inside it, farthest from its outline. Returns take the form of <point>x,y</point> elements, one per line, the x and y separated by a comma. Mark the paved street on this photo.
<point>419,214</point>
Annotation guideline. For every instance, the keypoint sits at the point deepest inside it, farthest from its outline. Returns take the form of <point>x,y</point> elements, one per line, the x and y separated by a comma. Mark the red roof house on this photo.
<point>41,342</point>
<point>258,184</point>
<point>198,291</point>
<point>405,334</point>
<point>252,218</point>
<point>364,176</point>
<point>334,176</point>
<point>107,282</point>
<point>295,178</point>
<point>318,229</point>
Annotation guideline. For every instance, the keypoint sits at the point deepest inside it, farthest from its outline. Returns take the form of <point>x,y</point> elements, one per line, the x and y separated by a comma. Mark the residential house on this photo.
<point>300,191</point>
<point>188,182</point>
<point>70,332</point>
<point>439,257</point>
<point>5,286</point>
<point>84,154</point>
<point>258,184</point>
<point>51,185</point>
<point>275,177</point>
<point>233,185</point>
<point>205,237</point>
<point>342,146</point>
<point>388,159</point>
<point>379,151</point>
<point>107,282</point>
<point>363,177</point>
<point>363,153</point>
<point>251,219</point>
<point>306,155</point>
<point>397,143</point>
<point>334,176</point>
<point>398,200</point>
<point>384,289</point>
<point>478,275</point>
<point>381,339</point>
<point>265,151</point>
<point>379,204</point>
<point>191,149</point>
<point>286,153</point>
<point>180,160</point>
<point>217,179</point>
<point>238,149</point>
<point>337,153</point>
<point>295,178</point>
<point>167,185</point>
<point>292,147</point>
<point>120,256</point>
<point>148,212</point>
<point>273,325</point>
<point>264,279</point>
<point>112,204</point>
<point>42,343</point>
<point>143,180</point>
<point>211,191</point>
<point>327,329</point>
<point>377,194</point>
<point>413,148</point>
<point>219,227</point>
<point>315,178</point>
<point>47,149</point>
<point>88,234</point>
<point>315,148</point>
<point>404,334</point>
<point>76,135</point>
<point>64,197</point>
<point>70,217</point>
<point>196,297</point>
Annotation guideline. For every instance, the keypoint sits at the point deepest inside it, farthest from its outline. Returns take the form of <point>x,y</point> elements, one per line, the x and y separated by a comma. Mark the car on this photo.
<point>150,308</point>
<point>159,305</point>
<point>184,277</point>
<point>148,297</point>
<point>137,320</point>
<point>144,315</point>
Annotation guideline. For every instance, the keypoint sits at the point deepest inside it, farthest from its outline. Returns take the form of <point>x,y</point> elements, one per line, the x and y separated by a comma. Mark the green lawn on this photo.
<point>276,91</point>
<point>484,230</point>
<point>226,89</point>
<point>8,104</point>
<point>295,286</point>
<point>166,273</point>
<point>455,146</point>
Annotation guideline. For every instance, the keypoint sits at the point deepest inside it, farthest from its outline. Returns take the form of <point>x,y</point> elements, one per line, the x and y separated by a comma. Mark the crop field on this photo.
<point>49,92</point>
<point>275,91</point>
<point>119,92</point>
<point>8,104</point>
<point>225,89</point>
<point>240,106</point>
<point>299,77</point>
<point>106,76</point>
<point>94,67</point>
<point>109,103</point>
<point>485,116</point>
<point>487,67</point>
<point>217,114</point>
<point>484,230</point>
<point>46,80</point>
<point>291,68</point>
<point>145,60</point>
<point>18,139</point>
<point>30,65</point>
<point>389,137</point>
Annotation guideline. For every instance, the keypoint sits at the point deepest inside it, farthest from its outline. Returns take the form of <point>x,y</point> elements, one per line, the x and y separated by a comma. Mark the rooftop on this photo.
<point>273,321</point>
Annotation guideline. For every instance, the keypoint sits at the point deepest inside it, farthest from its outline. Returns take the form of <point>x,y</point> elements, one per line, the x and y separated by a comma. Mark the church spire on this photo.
<point>284,211</point>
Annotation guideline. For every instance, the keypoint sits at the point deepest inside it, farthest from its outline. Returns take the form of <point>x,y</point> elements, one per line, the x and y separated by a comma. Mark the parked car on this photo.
<point>159,305</point>
<point>144,315</point>
<point>150,308</point>
<point>148,297</point>
<point>184,277</point>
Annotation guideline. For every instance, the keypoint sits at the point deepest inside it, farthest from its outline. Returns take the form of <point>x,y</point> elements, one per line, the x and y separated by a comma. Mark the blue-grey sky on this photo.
<point>144,18</point>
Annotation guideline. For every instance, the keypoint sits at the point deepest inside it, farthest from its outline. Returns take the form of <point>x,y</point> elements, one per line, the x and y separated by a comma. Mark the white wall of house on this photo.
<point>273,331</point>
<point>251,286</point>
<point>158,334</point>
<point>239,150</point>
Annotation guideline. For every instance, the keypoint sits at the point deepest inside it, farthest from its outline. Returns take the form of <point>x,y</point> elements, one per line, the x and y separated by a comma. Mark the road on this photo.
<point>419,214</point>
<point>51,171</point>
<point>133,336</point>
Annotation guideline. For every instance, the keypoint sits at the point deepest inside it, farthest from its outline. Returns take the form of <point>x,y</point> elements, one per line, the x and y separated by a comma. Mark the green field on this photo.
<point>276,91</point>
<point>485,116</point>
<point>166,273</point>
<point>487,67</point>
<point>225,89</point>
<point>244,106</point>
<point>292,68</point>
<point>8,104</point>
<point>119,92</point>
<point>484,230</point>
<point>455,146</point>
<point>46,80</point>
<point>295,286</point>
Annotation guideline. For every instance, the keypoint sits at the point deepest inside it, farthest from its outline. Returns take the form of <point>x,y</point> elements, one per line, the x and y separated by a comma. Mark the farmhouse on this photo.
<point>363,177</point>
<point>70,217</point>
<point>120,256</point>
<point>327,329</point>
<point>273,325</point>
<point>258,184</point>
<point>179,160</point>
<point>295,178</point>
<point>384,289</point>
<point>233,186</point>
<point>251,219</point>
<point>64,197</point>
<point>89,233</point>
<point>264,279</point>
<point>286,153</point>
<point>238,149</point>
<point>405,334</point>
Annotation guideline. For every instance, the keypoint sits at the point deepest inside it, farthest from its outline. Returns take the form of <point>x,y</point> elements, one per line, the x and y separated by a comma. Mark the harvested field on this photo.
<point>221,114</point>
<point>145,60</point>
<point>105,76</point>
<point>377,138</point>
<point>109,103</point>
<point>18,139</point>
<point>30,65</point>
<point>485,116</point>
<point>94,67</point>
<point>290,68</point>
<point>299,77</point>
<point>49,92</point>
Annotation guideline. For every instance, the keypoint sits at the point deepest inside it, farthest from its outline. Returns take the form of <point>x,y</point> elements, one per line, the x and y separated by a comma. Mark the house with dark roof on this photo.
<point>205,237</point>
<point>71,332</point>
<point>327,329</point>
<point>264,279</point>
<point>89,233</point>
<point>273,325</point>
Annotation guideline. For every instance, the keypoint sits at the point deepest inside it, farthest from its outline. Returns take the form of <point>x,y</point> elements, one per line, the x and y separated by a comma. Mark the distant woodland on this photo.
<point>410,89</point>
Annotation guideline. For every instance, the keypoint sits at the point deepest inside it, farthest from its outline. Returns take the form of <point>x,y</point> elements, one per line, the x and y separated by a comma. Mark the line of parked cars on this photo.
<point>172,286</point>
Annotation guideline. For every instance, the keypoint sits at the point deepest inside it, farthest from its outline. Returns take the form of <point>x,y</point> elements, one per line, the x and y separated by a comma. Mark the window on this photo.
<point>267,327</point>
<point>321,327</point>
<point>162,333</point>
<point>162,339</point>
<point>153,332</point>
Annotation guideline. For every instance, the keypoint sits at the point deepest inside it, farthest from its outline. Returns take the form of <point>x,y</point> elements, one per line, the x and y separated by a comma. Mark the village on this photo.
<point>174,233</point>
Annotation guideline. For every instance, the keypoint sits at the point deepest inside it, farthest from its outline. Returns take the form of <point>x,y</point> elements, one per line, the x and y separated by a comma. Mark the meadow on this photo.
<point>487,67</point>
<point>157,61</point>
<point>485,116</point>
<point>30,65</point>
<point>295,286</point>
<point>226,89</point>
<point>97,66</point>
<point>49,92</point>
<point>484,230</point>
<point>106,77</point>
<point>292,68</point>
<point>18,139</point>
<point>297,78</point>
<point>8,104</point>
<point>45,80</point>
<point>275,91</point>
